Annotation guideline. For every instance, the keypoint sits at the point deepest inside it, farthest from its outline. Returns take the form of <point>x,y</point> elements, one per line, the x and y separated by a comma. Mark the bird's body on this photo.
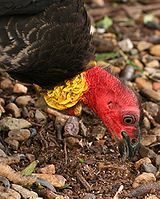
<point>47,47</point>
<point>47,43</point>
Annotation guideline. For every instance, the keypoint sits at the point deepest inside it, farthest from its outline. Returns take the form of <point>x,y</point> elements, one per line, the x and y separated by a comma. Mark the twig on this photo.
<point>118,192</point>
<point>65,152</point>
<point>83,181</point>
<point>144,189</point>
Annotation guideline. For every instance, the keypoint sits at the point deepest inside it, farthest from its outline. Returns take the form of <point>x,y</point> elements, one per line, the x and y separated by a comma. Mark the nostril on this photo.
<point>124,134</point>
<point>133,141</point>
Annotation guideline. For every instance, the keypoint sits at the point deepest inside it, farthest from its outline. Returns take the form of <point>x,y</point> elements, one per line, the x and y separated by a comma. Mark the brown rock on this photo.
<point>153,64</point>
<point>142,161</point>
<point>13,109</point>
<point>55,180</point>
<point>19,88</point>
<point>158,160</point>
<point>153,95</point>
<point>6,84</point>
<point>19,135</point>
<point>143,83</point>
<point>116,70</point>
<point>25,193</point>
<point>156,131</point>
<point>9,123</point>
<point>23,100</point>
<point>126,45</point>
<point>143,179</point>
<point>39,116</point>
<point>146,123</point>
<point>138,63</point>
<point>143,45</point>
<point>155,50</point>
<point>151,108</point>
<point>49,169</point>
<point>13,143</point>
<point>9,194</point>
<point>148,140</point>
<point>156,86</point>
<point>151,197</point>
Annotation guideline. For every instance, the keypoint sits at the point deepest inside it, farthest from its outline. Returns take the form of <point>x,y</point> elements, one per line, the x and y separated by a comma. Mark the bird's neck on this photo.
<point>67,94</point>
<point>86,87</point>
<point>100,84</point>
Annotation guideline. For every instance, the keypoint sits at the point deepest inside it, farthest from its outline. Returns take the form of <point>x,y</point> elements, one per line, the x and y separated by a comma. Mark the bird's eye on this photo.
<point>129,119</point>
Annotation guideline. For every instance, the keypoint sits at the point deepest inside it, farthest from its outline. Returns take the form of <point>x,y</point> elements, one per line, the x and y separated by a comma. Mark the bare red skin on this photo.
<point>110,99</point>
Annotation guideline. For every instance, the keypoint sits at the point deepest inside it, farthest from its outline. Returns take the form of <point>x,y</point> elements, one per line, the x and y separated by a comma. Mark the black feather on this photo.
<point>48,47</point>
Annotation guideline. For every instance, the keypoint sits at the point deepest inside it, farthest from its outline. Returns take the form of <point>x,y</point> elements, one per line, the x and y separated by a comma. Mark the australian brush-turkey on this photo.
<point>48,43</point>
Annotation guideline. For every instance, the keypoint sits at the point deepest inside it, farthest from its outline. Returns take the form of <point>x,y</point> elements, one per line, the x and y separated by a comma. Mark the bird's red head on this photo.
<point>115,103</point>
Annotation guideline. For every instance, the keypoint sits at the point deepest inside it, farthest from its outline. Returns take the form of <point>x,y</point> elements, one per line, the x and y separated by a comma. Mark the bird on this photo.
<point>49,43</point>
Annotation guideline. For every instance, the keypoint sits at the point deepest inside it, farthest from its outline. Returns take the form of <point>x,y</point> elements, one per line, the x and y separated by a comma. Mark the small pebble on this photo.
<point>13,143</point>
<point>143,179</point>
<point>23,100</point>
<point>2,101</point>
<point>9,194</point>
<point>143,83</point>
<point>146,152</point>
<point>19,135</point>
<point>98,132</point>
<point>146,123</point>
<point>142,161</point>
<point>2,153</point>
<point>127,73</point>
<point>156,86</point>
<point>155,50</point>
<point>115,70</point>
<point>153,95</point>
<point>55,180</point>
<point>89,196</point>
<point>13,109</point>
<point>33,132</point>
<point>49,169</point>
<point>158,160</point>
<point>153,64</point>
<point>9,123</point>
<point>126,45</point>
<point>39,116</point>
<point>152,108</point>
<point>25,193</point>
<point>19,88</point>
<point>24,112</point>
<point>151,197</point>
<point>149,168</point>
<point>71,126</point>
<point>6,84</point>
<point>143,45</point>
<point>30,157</point>
<point>138,63</point>
<point>156,131</point>
<point>148,140</point>
<point>134,51</point>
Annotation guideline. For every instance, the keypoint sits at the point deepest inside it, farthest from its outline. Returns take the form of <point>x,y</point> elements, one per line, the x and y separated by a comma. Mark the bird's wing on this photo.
<point>48,47</point>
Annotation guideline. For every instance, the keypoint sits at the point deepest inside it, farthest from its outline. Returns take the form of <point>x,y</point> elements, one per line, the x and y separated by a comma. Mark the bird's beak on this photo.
<point>128,147</point>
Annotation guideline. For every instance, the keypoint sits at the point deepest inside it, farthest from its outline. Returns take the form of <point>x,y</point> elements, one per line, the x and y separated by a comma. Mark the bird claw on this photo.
<point>127,147</point>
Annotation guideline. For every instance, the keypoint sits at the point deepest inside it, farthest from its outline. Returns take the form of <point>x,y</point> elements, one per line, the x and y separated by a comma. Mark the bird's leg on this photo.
<point>59,121</point>
<point>69,126</point>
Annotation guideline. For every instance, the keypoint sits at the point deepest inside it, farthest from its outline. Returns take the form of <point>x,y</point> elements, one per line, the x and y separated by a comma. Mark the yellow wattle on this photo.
<point>68,94</point>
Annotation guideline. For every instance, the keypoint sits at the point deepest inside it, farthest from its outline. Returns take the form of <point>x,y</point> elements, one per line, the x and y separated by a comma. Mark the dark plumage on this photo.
<point>44,41</point>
